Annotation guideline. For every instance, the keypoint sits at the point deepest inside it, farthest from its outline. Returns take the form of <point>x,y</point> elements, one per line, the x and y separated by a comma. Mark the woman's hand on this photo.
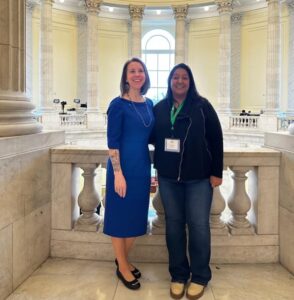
<point>120,185</point>
<point>215,181</point>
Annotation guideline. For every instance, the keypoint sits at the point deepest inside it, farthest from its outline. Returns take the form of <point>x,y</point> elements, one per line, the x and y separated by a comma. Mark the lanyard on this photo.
<point>174,113</point>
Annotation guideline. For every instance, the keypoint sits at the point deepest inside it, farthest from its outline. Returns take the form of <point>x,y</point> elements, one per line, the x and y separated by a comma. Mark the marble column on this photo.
<point>291,59</point>
<point>95,119</point>
<point>30,5</point>
<point>224,90</point>
<point>273,63</point>
<point>180,13</point>
<point>82,58</point>
<point>235,62</point>
<point>136,13</point>
<point>46,57</point>
<point>15,107</point>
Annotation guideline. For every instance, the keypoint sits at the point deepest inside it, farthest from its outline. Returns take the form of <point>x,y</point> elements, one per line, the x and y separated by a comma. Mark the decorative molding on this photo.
<point>180,12</point>
<point>236,18</point>
<point>93,6</point>
<point>30,4</point>
<point>136,11</point>
<point>82,19</point>
<point>224,6</point>
<point>291,5</point>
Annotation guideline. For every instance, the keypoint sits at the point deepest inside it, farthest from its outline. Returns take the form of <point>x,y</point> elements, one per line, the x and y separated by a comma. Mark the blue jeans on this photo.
<point>187,203</point>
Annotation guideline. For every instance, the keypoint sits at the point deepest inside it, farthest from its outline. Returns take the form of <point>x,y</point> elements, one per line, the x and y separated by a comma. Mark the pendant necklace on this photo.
<point>140,115</point>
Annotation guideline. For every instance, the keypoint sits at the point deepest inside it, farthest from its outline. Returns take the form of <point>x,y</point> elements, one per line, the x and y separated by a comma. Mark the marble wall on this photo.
<point>25,206</point>
<point>285,143</point>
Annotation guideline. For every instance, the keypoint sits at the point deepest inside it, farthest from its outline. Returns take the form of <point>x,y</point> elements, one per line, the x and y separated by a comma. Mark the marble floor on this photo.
<point>68,279</point>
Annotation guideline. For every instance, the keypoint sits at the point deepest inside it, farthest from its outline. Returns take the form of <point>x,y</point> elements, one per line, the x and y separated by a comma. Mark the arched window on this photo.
<point>158,53</point>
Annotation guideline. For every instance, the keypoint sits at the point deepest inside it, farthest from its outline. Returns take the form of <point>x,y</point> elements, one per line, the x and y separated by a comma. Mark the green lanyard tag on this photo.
<point>174,113</point>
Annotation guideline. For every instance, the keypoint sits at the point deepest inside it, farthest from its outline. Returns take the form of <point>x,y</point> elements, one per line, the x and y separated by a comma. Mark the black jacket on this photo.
<point>201,141</point>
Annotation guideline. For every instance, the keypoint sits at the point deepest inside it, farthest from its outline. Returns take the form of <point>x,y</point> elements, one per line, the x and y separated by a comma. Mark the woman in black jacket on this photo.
<point>189,160</point>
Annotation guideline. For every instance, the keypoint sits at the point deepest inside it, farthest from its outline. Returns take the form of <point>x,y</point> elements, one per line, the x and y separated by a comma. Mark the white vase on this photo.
<point>291,128</point>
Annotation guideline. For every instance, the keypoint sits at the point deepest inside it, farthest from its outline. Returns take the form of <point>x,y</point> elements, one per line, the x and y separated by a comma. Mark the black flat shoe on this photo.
<point>132,285</point>
<point>137,274</point>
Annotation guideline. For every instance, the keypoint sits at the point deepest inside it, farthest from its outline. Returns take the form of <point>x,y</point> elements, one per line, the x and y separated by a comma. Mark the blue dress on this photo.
<point>128,129</point>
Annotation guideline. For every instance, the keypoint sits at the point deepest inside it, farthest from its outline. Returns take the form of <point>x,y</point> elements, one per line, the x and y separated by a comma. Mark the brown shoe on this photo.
<point>177,290</point>
<point>195,291</point>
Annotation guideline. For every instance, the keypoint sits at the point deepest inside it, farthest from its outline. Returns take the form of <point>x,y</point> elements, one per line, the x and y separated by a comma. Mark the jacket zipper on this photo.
<point>209,153</point>
<point>182,155</point>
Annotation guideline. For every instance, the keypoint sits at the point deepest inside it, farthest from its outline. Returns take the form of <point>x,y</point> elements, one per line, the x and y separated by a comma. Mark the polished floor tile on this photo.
<point>68,279</point>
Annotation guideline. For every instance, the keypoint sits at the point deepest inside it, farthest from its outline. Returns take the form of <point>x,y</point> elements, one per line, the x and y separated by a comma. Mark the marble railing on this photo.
<point>246,122</point>
<point>244,210</point>
<point>284,122</point>
<point>75,120</point>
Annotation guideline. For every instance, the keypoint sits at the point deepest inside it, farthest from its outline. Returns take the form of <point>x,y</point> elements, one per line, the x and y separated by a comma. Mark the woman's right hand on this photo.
<point>120,185</point>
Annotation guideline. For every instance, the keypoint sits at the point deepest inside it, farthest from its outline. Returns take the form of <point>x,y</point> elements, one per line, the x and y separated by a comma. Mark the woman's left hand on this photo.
<point>215,181</point>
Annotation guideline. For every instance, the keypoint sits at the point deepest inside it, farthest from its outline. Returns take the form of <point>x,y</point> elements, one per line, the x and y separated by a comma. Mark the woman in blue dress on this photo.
<point>130,122</point>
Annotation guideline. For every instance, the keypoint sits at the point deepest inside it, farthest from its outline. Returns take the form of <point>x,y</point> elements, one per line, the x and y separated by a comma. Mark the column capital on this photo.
<point>273,1</point>
<point>93,6</point>
<point>47,1</point>
<point>290,4</point>
<point>224,6</point>
<point>136,11</point>
<point>82,19</point>
<point>236,18</point>
<point>30,4</point>
<point>180,11</point>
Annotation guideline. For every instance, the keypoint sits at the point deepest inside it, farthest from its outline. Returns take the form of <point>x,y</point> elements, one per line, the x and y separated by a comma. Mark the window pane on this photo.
<point>162,78</point>
<point>151,62</point>
<point>161,93</point>
<point>152,94</point>
<point>163,62</point>
<point>172,60</point>
<point>153,78</point>
<point>158,42</point>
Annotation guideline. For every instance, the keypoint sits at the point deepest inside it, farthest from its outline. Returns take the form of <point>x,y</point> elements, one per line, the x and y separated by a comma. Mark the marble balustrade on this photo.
<point>246,122</point>
<point>244,214</point>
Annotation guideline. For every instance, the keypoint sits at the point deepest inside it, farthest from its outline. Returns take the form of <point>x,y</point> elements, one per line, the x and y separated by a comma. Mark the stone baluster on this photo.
<point>136,13</point>
<point>224,91</point>
<point>16,116</point>
<point>273,64</point>
<point>239,203</point>
<point>291,58</point>
<point>217,226</point>
<point>88,200</point>
<point>158,223</point>
<point>180,13</point>
<point>46,53</point>
<point>235,62</point>
<point>82,58</point>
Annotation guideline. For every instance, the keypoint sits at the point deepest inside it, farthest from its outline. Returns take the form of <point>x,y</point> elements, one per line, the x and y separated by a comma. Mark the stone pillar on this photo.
<point>291,59</point>
<point>235,62</point>
<point>82,58</point>
<point>30,5</point>
<point>15,108</point>
<point>273,64</point>
<point>46,54</point>
<point>94,116</point>
<point>136,13</point>
<point>224,91</point>
<point>180,13</point>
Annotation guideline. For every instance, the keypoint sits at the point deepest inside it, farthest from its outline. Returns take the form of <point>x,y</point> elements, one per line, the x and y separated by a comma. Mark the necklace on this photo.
<point>140,115</point>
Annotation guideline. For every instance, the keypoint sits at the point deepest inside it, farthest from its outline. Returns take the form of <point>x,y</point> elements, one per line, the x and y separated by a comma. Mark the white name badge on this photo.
<point>172,145</point>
